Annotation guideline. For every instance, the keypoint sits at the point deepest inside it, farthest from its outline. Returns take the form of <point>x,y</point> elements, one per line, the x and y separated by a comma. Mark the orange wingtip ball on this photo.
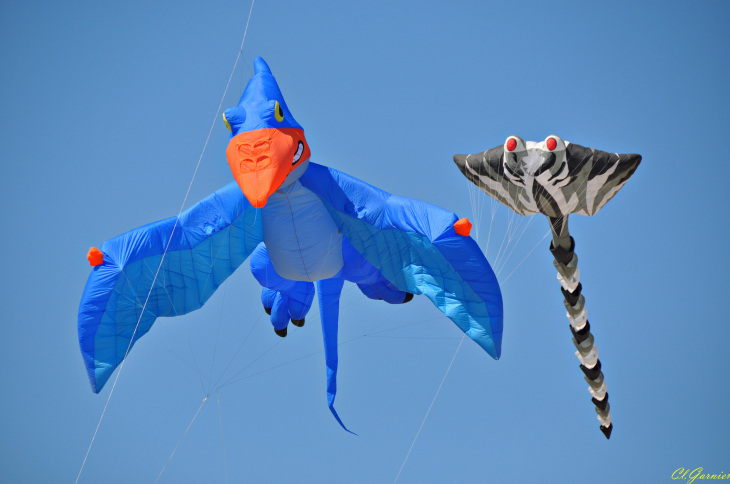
<point>463,227</point>
<point>95,256</point>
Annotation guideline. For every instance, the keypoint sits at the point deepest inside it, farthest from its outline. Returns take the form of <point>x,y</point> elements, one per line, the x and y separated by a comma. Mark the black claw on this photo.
<point>268,311</point>
<point>607,430</point>
<point>280,332</point>
<point>298,322</point>
<point>409,296</point>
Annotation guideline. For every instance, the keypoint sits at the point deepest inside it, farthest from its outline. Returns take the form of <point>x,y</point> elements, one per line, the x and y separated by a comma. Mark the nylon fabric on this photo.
<point>267,143</point>
<point>301,238</point>
<point>302,223</point>
<point>211,240</point>
<point>256,108</point>
<point>415,247</point>
<point>329,291</point>
<point>368,278</point>
<point>287,299</point>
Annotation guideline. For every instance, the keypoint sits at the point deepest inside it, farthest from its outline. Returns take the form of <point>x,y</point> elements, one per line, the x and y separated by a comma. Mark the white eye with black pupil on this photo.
<point>298,154</point>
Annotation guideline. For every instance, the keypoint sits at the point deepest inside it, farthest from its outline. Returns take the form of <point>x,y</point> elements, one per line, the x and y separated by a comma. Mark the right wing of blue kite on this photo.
<point>416,247</point>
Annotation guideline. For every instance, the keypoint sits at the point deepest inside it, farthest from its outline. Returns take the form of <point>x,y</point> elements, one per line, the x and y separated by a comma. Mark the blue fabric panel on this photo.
<point>287,299</point>
<point>300,300</point>
<point>304,243</point>
<point>466,258</point>
<point>280,311</point>
<point>368,278</point>
<point>211,239</point>
<point>255,109</point>
<point>414,246</point>
<point>329,291</point>
<point>267,297</point>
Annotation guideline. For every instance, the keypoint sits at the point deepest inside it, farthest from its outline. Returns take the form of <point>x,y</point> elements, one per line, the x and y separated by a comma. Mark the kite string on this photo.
<point>215,350</point>
<point>181,439</point>
<point>177,220</point>
<point>504,261</point>
<point>523,260</point>
<point>220,420</point>
<point>231,380</point>
<point>429,409</point>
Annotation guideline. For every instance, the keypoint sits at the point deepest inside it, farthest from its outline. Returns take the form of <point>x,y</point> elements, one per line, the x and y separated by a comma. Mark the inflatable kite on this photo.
<point>304,225</point>
<point>557,178</point>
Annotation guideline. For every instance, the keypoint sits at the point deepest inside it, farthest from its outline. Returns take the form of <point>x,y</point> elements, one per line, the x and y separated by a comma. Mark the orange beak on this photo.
<point>261,160</point>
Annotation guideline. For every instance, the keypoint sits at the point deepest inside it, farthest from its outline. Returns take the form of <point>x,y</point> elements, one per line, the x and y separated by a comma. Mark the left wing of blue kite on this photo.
<point>201,249</point>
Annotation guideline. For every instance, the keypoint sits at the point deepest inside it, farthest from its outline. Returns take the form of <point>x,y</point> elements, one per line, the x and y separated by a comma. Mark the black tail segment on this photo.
<point>583,334</point>
<point>607,430</point>
<point>592,373</point>
<point>572,297</point>
<point>602,404</point>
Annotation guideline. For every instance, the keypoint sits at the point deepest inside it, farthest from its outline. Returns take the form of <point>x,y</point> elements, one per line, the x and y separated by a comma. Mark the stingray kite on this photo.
<point>304,225</point>
<point>557,178</point>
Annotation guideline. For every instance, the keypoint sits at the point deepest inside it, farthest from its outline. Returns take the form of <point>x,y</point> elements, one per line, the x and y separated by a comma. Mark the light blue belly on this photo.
<point>302,239</point>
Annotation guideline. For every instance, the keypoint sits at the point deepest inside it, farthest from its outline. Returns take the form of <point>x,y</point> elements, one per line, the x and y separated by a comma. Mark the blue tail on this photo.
<point>328,293</point>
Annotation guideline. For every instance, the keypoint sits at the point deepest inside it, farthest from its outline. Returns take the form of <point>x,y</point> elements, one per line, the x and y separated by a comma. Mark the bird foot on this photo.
<point>298,322</point>
<point>409,296</point>
<point>268,310</point>
<point>280,332</point>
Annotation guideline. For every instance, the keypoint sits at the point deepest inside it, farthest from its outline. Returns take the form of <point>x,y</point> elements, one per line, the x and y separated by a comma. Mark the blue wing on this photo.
<point>415,247</point>
<point>208,242</point>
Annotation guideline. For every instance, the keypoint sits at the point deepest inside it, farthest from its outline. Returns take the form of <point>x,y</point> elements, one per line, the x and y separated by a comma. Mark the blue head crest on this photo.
<point>261,106</point>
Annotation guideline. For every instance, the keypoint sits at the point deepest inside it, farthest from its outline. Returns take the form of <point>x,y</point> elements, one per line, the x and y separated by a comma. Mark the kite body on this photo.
<point>552,177</point>
<point>302,239</point>
<point>307,228</point>
<point>557,178</point>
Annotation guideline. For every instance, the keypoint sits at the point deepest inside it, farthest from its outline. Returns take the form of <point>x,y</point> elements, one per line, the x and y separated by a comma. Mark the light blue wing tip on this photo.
<point>334,412</point>
<point>491,343</point>
<point>98,378</point>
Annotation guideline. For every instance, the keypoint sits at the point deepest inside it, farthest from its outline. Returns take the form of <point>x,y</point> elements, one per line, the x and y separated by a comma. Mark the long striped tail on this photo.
<point>566,262</point>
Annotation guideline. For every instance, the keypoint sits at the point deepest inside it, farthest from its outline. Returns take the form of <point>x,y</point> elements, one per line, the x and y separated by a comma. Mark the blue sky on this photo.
<point>105,110</point>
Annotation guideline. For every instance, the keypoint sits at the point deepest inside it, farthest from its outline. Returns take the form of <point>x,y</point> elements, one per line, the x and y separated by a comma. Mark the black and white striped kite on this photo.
<point>557,178</point>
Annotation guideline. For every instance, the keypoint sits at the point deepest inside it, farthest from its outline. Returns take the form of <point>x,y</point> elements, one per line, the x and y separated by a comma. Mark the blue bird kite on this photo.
<point>303,225</point>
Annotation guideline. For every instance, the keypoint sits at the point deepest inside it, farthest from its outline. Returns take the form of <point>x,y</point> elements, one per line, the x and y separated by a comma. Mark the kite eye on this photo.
<point>278,113</point>
<point>554,143</point>
<point>514,143</point>
<point>234,118</point>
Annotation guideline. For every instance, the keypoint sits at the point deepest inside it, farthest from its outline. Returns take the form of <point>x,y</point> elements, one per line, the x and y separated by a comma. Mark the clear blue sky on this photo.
<point>104,109</point>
